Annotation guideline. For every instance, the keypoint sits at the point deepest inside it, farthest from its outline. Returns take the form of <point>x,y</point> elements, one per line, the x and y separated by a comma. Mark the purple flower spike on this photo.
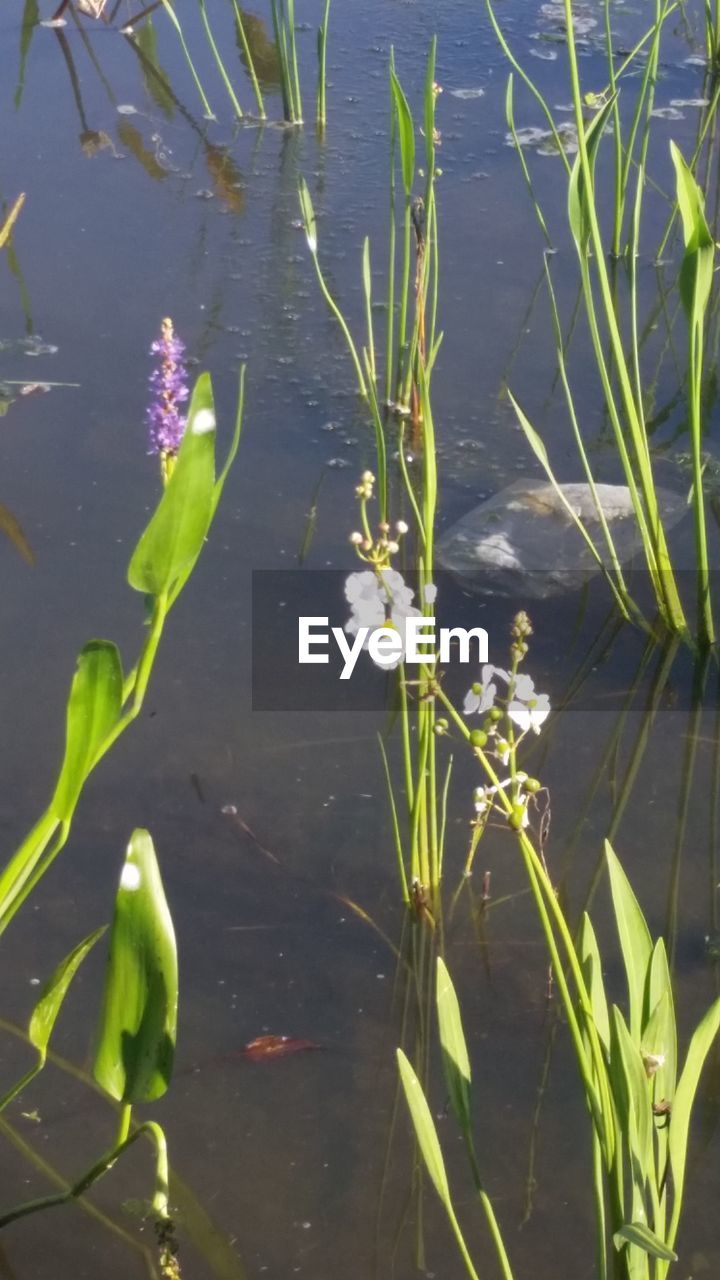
<point>168,384</point>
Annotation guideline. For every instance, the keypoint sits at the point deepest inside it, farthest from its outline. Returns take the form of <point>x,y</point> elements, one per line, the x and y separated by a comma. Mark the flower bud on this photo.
<point>401,527</point>
<point>478,738</point>
<point>532,786</point>
<point>495,714</point>
<point>356,539</point>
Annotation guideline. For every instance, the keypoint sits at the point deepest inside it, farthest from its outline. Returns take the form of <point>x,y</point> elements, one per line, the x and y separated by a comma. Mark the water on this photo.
<point>302,1165</point>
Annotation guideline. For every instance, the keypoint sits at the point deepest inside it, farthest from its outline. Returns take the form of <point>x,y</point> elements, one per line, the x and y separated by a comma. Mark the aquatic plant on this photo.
<point>169,391</point>
<point>137,1022</point>
<point>136,1032</point>
<point>321,110</point>
<point>283,16</point>
<point>615,337</point>
<point>638,1097</point>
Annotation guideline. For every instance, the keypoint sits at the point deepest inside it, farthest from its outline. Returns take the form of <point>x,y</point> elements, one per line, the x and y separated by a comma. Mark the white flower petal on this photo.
<point>519,715</point>
<point>523,687</point>
<point>471,703</point>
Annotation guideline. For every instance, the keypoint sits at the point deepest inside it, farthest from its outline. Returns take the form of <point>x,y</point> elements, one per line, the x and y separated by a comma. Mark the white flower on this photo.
<point>527,709</point>
<point>652,1063</point>
<point>430,593</point>
<point>523,687</point>
<point>531,714</point>
<point>379,600</point>
<point>362,592</point>
<point>482,696</point>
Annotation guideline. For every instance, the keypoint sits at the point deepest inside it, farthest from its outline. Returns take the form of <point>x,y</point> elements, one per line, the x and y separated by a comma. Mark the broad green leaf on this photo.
<point>577,193</point>
<point>406,134</point>
<point>660,1031</point>
<point>592,972</point>
<point>631,1090</point>
<point>424,1129</point>
<point>220,482</point>
<point>697,269</point>
<point>679,1128</point>
<point>639,1233</point>
<point>54,991</point>
<point>308,215</point>
<point>138,1020</point>
<point>456,1062</point>
<point>635,940</point>
<point>92,711</point>
<point>175,535</point>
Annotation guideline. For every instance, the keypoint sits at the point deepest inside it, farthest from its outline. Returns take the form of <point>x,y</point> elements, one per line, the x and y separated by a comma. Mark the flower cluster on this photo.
<point>526,708</point>
<point>168,384</point>
<point>521,707</point>
<point>381,598</point>
<point>378,550</point>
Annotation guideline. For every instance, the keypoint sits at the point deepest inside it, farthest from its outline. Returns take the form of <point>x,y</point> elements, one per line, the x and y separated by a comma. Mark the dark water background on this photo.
<point>297,1162</point>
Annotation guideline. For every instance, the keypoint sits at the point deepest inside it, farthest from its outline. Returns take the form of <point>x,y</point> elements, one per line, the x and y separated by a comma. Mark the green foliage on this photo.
<point>175,535</point>
<point>406,134</point>
<point>456,1062</point>
<point>138,1022</point>
<point>53,993</point>
<point>93,710</point>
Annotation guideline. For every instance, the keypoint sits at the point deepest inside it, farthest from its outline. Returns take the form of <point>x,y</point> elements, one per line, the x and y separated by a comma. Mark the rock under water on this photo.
<point>524,538</point>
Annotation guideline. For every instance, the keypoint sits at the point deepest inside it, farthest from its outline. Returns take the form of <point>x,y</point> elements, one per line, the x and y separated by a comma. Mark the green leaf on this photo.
<point>456,1062</point>
<point>578,197</point>
<point>175,535</point>
<point>220,482</point>
<point>366,272</point>
<point>406,134</point>
<point>635,940</point>
<point>592,973</point>
<point>308,215</point>
<point>429,111</point>
<point>696,274</point>
<point>640,1234</point>
<point>660,1030</point>
<point>631,1090</point>
<point>679,1127</point>
<point>54,991</point>
<point>424,1129</point>
<point>138,1020</point>
<point>93,709</point>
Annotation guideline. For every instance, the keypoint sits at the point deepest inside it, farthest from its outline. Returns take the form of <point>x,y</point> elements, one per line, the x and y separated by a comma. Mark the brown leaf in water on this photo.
<point>264,1048</point>
<point>10,526</point>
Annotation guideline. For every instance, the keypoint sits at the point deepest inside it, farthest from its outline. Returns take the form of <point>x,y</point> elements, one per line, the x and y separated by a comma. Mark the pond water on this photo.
<point>139,208</point>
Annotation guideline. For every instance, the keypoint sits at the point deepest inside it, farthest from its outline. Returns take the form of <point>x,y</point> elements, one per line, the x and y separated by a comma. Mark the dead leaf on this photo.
<point>263,1048</point>
<point>10,526</point>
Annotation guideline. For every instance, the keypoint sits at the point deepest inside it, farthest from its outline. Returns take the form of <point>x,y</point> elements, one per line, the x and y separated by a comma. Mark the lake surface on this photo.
<point>139,208</point>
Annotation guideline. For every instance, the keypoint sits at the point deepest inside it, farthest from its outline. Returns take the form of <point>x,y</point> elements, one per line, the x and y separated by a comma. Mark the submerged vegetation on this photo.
<point>474,763</point>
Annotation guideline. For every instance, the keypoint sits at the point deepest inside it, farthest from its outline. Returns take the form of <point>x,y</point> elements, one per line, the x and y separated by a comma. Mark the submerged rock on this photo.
<point>524,539</point>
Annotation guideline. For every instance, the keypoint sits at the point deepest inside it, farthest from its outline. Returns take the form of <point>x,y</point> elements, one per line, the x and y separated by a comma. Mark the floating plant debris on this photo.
<point>266,1048</point>
<point>466,94</point>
